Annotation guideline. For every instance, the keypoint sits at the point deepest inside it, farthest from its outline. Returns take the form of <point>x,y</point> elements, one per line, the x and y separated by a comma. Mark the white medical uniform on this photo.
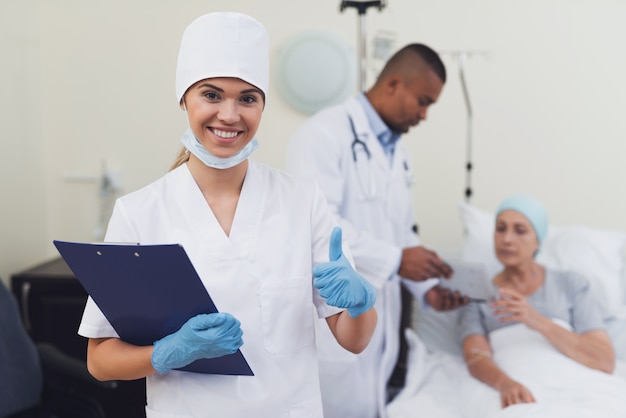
<point>378,226</point>
<point>261,274</point>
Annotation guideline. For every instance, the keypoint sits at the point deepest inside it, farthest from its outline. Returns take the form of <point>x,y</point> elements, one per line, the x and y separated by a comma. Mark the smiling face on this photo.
<point>409,99</point>
<point>514,238</point>
<point>224,114</point>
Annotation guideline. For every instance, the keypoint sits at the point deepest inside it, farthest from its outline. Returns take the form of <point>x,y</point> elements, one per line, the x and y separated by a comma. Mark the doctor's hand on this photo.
<point>203,336</point>
<point>443,299</point>
<point>420,263</point>
<point>340,284</point>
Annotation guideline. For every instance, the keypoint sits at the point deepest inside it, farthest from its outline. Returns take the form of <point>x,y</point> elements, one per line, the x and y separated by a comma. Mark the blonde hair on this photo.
<point>181,158</point>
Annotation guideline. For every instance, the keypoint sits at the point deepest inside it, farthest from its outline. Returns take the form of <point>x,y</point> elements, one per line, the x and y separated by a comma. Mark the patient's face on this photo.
<point>514,238</point>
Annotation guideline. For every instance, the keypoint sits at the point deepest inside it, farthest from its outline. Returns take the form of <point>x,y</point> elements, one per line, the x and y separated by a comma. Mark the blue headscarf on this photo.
<point>532,209</point>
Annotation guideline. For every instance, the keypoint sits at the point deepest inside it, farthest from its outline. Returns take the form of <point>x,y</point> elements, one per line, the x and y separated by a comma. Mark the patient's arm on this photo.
<point>593,348</point>
<point>478,357</point>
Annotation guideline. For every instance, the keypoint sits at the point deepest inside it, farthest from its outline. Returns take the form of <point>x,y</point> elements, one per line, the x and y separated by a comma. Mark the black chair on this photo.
<point>68,388</point>
<point>20,370</point>
<point>41,381</point>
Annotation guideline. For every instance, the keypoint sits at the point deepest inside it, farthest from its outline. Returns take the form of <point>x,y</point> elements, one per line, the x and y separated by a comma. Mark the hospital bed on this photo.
<point>438,383</point>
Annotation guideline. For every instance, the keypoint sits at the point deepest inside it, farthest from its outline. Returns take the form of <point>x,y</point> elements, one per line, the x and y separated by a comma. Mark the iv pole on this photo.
<point>468,106</point>
<point>462,56</point>
<point>362,7</point>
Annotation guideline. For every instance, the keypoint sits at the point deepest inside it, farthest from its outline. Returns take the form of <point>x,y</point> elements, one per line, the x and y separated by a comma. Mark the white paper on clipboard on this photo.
<point>471,280</point>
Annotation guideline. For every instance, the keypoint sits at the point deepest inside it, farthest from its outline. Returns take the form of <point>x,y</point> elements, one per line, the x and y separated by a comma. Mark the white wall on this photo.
<point>23,221</point>
<point>85,82</point>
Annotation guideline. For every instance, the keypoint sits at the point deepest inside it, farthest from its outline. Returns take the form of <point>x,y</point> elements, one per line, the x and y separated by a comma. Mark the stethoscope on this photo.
<point>362,158</point>
<point>362,164</point>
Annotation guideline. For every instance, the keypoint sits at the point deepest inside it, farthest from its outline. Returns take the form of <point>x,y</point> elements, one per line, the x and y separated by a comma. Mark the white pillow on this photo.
<point>479,226</point>
<point>596,253</point>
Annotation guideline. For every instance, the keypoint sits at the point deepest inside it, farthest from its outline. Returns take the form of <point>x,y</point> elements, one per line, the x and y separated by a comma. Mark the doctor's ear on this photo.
<point>392,83</point>
<point>182,104</point>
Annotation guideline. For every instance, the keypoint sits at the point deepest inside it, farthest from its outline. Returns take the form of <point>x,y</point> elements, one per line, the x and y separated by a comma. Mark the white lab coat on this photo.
<point>261,274</point>
<point>354,386</point>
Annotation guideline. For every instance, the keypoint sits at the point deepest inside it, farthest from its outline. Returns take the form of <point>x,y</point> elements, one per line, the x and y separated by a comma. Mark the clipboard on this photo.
<point>146,292</point>
<point>471,280</point>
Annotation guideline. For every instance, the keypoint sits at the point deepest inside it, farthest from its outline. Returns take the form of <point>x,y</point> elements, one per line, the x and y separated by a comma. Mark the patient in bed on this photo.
<point>556,308</point>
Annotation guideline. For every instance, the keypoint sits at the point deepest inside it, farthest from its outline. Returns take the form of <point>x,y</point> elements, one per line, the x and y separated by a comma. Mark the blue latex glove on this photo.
<point>340,284</point>
<point>203,336</point>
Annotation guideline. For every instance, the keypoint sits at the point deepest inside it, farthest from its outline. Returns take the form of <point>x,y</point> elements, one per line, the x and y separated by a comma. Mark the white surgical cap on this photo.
<point>223,44</point>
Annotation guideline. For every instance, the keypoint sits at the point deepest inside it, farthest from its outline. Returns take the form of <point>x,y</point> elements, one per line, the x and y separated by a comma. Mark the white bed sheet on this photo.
<point>439,385</point>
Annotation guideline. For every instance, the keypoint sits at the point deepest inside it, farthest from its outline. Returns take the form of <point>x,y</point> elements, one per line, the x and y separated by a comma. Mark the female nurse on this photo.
<point>265,245</point>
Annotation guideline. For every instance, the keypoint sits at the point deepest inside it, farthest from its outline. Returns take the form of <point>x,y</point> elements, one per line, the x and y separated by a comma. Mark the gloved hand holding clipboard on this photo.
<point>134,287</point>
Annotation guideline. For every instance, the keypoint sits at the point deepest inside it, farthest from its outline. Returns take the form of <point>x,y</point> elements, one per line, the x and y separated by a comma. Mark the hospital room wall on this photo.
<point>87,85</point>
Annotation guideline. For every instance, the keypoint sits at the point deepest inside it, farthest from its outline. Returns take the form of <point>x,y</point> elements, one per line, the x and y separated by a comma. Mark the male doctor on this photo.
<point>356,154</point>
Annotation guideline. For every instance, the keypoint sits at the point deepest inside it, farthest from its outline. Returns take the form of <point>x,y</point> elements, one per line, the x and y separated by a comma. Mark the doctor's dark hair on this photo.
<point>427,55</point>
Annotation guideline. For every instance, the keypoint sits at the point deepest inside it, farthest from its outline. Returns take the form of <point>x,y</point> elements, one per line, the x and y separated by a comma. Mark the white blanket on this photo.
<point>439,385</point>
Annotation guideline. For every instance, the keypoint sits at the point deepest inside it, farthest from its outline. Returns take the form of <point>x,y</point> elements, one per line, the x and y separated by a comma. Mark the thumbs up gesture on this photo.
<point>340,284</point>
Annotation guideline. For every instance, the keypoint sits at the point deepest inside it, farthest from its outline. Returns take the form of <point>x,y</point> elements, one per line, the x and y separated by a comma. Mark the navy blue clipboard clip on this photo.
<point>146,292</point>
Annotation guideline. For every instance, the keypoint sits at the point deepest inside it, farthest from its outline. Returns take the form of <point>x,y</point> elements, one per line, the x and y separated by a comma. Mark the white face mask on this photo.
<point>194,146</point>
